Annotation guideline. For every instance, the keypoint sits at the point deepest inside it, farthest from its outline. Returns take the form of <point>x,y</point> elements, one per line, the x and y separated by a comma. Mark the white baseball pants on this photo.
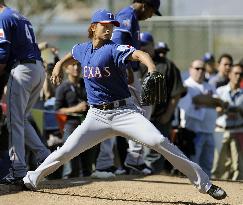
<point>123,121</point>
<point>24,85</point>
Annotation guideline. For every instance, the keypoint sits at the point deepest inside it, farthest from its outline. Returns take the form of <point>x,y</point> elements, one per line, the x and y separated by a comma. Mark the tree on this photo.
<point>36,7</point>
<point>45,10</point>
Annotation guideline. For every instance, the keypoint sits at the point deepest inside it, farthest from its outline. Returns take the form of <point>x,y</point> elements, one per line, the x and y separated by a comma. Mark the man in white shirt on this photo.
<point>229,164</point>
<point>198,114</point>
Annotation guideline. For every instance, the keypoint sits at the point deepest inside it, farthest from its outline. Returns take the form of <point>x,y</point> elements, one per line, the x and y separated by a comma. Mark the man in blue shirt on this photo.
<point>112,111</point>
<point>19,53</point>
<point>129,31</point>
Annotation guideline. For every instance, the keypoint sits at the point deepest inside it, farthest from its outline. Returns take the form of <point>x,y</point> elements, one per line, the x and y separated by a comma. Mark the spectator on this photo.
<point>199,115</point>
<point>20,52</point>
<point>209,61</point>
<point>229,164</point>
<point>224,65</point>
<point>71,100</point>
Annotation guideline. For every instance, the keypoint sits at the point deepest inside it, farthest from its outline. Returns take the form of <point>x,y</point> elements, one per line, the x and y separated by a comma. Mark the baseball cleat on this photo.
<point>11,180</point>
<point>216,192</point>
<point>29,183</point>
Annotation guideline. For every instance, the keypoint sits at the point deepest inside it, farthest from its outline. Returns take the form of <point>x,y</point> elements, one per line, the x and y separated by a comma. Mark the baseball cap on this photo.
<point>154,4</point>
<point>162,46</point>
<point>104,16</point>
<point>145,38</point>
<point>208,57</point>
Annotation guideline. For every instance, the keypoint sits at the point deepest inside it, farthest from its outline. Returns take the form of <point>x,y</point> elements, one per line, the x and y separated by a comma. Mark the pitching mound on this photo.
<point>122,190</point>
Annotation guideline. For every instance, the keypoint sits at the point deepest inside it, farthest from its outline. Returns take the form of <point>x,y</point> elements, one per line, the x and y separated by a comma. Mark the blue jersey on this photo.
<point>104,71</point>
<point>17,39</point>
<point>129,25</point>
<point>129,31</point>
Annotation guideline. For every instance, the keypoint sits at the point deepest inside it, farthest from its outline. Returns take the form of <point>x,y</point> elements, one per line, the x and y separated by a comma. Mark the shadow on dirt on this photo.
<point>60,184</point>
<point>50,185</point>
<point>130,200</point>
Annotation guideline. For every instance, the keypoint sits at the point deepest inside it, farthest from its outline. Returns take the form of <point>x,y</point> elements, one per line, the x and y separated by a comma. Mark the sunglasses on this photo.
<point>199,68</point>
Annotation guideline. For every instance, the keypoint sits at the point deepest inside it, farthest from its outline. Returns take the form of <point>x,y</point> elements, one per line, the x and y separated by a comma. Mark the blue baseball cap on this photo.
<point>104,16</point>
<point>208,57</point>
<point>145,38</point>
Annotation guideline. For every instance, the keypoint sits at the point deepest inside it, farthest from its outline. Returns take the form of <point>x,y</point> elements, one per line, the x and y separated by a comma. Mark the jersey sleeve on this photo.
<point>5,39</point>
<point>124,33</point>
<point>76,52</point>
<point>121,53</point>
<point>125,20</point>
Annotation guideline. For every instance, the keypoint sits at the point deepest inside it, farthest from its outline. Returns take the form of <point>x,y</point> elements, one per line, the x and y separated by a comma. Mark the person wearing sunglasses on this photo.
<point>198,114</point>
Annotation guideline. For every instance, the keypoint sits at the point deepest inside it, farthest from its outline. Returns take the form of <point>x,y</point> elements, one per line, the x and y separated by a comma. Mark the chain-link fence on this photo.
<point>190,37</point>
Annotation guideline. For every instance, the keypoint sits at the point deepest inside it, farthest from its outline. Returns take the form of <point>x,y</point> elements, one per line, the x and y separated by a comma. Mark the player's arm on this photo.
<point>57,73</point>
<point>143,58</point>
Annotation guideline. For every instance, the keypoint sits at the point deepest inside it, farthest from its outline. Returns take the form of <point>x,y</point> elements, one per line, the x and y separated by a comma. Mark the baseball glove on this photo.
<point>154,90</point>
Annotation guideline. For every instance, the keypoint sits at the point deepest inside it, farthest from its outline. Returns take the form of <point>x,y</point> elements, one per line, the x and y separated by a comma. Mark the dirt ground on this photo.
<point>122,190</point>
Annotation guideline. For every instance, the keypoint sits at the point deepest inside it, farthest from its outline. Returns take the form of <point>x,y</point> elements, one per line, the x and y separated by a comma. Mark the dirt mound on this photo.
<point>122,190</point>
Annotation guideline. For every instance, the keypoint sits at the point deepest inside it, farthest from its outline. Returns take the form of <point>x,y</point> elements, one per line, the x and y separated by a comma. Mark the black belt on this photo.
<point>110,106</point>
<point>25,61</point>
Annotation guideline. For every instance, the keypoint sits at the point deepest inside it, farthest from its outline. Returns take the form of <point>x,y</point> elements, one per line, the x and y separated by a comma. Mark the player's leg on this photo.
<point>17,98</point>
<point>135,126</point>
<point>94,129</point>
<point>32,139</point>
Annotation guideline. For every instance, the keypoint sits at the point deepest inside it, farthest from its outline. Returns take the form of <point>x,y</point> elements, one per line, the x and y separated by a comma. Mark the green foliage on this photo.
<point>37,7</point>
